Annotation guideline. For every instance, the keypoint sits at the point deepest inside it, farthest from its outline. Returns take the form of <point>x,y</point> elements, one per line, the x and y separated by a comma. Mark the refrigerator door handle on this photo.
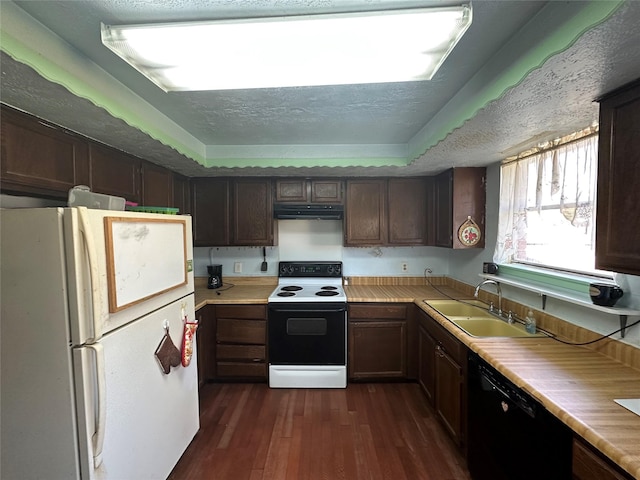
<point>85,228</point>
<point>97,439</point>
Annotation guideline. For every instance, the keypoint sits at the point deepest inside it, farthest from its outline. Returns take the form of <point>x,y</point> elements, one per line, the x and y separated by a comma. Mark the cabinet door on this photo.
<point>293,190</point>
<point>40,158</point>
<point>252,212</point>
<point>157,186</point>
<point>426,364</point>
<point>114,172</point>
<point>210,209</point>
<point>589,465</point>
<point>326,191</point>
<point>443,196</point>
<point>468,199</point>
<point>448,393</point>
<point>365,212</point>
<point>459,193</point>
<point>617,229</point>
<point>206,345</point>
<point>407,211</point>
<point>181,194</point>
<point>377,349</point>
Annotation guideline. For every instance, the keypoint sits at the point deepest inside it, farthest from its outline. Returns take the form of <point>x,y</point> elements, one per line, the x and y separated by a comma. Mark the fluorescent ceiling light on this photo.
<point>369,47</point>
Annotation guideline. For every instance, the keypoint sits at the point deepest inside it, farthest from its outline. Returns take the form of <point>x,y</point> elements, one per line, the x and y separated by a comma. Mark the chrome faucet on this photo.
<point>498,290</point>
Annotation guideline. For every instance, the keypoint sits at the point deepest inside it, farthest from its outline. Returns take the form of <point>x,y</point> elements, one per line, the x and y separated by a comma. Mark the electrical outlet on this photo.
<point>237,267</point>
<point>404,267</point>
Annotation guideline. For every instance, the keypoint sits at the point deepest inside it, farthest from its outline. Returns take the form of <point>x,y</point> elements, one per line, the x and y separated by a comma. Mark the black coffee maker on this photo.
<point>215,276</point>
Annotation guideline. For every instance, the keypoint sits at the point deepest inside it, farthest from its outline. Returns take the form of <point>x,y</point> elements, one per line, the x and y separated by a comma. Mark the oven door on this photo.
<point>307,333</point>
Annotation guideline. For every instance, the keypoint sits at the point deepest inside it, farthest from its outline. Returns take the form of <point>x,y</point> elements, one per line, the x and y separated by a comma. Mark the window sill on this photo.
<point>565,294</point>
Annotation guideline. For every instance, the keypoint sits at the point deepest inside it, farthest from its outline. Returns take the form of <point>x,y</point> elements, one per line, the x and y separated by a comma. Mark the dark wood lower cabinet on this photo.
<point>240,346</point>
<point>426,363</point>
<point>442,375</point>
<point>205,342</point>
<point>377,341</point>
<point>589,464</point>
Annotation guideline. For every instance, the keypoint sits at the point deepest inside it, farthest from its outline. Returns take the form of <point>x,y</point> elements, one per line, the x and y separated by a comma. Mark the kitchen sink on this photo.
<point>464,308</point>
<point>474,318</point>
<point>491,327</point>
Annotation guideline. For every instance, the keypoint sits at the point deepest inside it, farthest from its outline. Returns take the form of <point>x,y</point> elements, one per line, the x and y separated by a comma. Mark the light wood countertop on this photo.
<point>574,383</point>
<point>397,293</point>
<point>235,290</point>
<point>238,294</point>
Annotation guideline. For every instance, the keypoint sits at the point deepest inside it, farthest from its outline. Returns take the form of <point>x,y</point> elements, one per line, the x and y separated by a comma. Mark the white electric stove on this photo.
<point>307,319</point>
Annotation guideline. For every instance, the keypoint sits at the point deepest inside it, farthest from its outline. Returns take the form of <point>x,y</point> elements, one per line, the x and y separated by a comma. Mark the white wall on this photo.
<point>321,240</point>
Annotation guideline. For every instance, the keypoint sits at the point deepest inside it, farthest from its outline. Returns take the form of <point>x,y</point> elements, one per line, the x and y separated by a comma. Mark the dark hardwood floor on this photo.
<point>366,431</point>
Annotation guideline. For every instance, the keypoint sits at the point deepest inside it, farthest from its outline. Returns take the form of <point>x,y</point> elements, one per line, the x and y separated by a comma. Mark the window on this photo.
<point>547,208</point>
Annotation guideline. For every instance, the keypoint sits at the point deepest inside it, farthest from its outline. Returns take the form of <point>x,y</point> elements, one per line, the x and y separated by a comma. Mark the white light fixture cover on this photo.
<point>369,47</point>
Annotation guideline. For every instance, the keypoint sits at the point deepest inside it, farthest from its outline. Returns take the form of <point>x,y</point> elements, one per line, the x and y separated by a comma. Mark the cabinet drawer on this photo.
<point>239,369</point>
<point>241,331</point>
<point>255,312</point>
<point>241,352</point>
<point>372,312</point>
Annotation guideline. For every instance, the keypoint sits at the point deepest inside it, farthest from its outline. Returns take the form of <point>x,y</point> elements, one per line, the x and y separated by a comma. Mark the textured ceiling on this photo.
<point>467,115</point>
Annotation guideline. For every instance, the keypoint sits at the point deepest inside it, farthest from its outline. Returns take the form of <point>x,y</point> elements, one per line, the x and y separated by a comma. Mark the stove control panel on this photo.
<point>310,269</point>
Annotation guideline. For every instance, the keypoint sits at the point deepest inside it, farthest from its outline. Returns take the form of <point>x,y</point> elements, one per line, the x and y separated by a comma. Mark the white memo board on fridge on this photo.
<point>145,258</point>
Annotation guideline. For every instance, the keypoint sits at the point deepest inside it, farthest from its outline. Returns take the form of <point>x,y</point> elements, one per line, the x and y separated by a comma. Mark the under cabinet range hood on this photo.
<point>285,211</point>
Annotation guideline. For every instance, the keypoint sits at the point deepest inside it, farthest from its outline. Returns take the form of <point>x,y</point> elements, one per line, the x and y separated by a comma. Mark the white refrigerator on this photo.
<point>87,298</point>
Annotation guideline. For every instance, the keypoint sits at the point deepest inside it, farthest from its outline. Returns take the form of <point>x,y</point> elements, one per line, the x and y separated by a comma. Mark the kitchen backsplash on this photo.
<point>321,240</point>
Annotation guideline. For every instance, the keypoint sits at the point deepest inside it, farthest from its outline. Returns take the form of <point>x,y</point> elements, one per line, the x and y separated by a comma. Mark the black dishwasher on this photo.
<point>511,435</point>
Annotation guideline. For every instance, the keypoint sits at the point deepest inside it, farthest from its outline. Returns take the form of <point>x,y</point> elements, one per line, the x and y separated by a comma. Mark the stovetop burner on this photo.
<point>291,288</point>
<point>285,294</point>
<point>327,293</point>
<point>329,287</point>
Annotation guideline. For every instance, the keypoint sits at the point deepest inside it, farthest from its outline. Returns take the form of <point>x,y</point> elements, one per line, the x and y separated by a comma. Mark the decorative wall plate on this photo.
<point>469,233</point>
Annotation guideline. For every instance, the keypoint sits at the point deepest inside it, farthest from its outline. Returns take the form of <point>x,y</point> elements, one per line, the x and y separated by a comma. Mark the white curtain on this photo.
<point>547,207</point>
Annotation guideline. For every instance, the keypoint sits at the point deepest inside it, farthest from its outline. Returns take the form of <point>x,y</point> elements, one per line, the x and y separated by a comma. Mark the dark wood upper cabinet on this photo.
<point>114,172</point>
<point>443,209</point>
<point>253,222</point>
<point>326,191</point>
<point>459,193</point>
<point>365,221</point>
<point>382,211</point>
<point>292,190</point>
<point>157,186</point>
<point>232,211</point>
<point>306,190</point>
<point>181,194</point>
<point>617,227</point>
<point>40,158</point>
<point>408,214</point>
<point>211,212</point>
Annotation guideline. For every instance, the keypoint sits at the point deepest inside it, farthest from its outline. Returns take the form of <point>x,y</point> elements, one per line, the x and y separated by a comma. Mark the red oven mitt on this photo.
<point>187,341</point>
